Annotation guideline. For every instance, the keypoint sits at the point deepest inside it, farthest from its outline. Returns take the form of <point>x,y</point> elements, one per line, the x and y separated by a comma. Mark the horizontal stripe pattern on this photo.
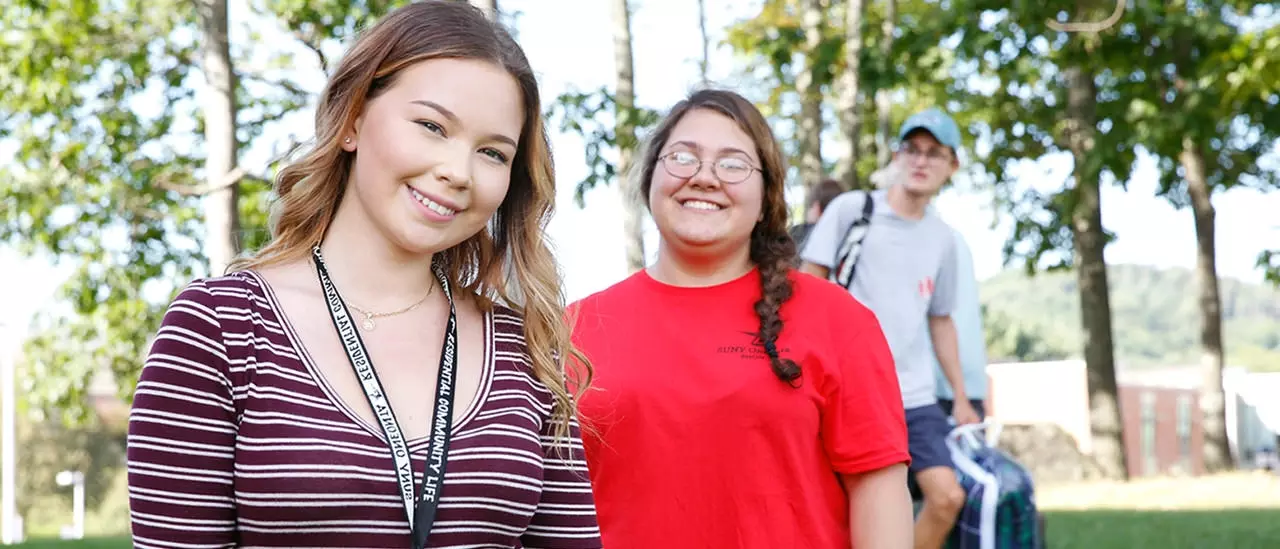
<point>234,443</point>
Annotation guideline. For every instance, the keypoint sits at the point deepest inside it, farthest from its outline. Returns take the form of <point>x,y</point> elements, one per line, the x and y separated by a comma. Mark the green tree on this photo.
<point>1156,319</point>
<point>1181,80</point>
<point>218,107</point>
<point>848,90</point>
<point>811,76</point>
<point>110,170</point>
<point>1009,339</point>
<point>704,62</point>
<point>858,59</point>
<point>793,57</point>
<point>1028,90</point>
<point>589,115</point>
<point>884,99</point>
<point>624,130</point>
<point>611,126</point>
<point>97,102</point>
<point>1269,262</point>
<point>1206,107</point>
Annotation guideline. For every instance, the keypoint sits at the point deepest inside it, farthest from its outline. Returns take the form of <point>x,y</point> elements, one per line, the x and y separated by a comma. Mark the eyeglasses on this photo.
<point>937,155</point>
<point>727,169</point>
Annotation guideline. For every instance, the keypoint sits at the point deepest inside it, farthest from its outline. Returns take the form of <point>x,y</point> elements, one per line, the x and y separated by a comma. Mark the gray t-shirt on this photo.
<point>905,273</point>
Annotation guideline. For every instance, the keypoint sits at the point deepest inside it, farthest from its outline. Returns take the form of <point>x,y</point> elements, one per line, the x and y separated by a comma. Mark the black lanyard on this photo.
<point>421,512</point>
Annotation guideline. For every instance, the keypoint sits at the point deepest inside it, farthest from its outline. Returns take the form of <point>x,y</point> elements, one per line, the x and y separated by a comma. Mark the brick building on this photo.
<point>1159,407</point>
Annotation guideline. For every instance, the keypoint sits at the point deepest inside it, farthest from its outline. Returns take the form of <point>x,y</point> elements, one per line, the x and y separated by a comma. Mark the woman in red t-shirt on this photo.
<point>737,403</point>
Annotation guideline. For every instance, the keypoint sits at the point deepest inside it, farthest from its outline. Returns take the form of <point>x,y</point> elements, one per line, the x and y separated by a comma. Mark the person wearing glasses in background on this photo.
<point>905,272</point>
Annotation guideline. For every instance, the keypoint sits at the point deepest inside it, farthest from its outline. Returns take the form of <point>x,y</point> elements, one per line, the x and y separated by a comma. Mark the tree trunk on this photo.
<point>704,66</point>
<point>884,107</point>
<point>1091,273</point>
<point>489,7</point>
<point>1216,451</point>
<point>625,131</point>
<point>847,94</point>
<point>221,213</point>
<point>810,91</point>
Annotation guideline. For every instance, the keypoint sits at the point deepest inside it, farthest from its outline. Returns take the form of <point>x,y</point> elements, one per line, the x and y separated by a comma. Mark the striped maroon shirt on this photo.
<point>235,441</point>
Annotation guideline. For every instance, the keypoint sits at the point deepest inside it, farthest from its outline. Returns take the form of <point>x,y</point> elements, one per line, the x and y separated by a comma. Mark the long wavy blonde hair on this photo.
<point>509,260</point>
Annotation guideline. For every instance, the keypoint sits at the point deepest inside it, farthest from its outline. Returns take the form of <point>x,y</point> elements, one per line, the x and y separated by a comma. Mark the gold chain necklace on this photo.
<point>368,324</point>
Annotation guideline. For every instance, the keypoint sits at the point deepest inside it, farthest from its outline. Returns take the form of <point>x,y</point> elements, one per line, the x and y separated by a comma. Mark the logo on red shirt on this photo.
<point>752,350</point>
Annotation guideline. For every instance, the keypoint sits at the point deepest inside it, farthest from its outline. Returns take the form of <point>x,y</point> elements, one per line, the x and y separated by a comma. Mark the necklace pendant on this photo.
<point>367,324</point>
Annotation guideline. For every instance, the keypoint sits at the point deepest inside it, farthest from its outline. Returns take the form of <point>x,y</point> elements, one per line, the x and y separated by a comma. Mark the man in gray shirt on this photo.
<point>905,272</point>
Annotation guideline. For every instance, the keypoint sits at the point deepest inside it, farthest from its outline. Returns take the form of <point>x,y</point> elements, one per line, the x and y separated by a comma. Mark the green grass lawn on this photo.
<point>1198,529</point>
<point>1234,511</point>
<point>94,543</point>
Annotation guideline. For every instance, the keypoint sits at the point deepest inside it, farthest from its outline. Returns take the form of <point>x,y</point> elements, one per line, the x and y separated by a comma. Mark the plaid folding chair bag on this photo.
<point>1000,505</point>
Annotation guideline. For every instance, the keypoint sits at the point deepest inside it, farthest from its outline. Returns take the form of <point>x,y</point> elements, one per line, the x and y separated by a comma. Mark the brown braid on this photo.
<point>773,256</point>
<point>772,249</point>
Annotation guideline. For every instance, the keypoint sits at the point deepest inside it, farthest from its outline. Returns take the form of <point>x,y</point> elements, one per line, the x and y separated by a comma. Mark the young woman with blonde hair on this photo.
<point>367,379</point>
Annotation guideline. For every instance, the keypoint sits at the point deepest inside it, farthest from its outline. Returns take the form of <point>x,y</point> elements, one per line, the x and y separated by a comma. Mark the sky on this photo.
<point>666,45</point>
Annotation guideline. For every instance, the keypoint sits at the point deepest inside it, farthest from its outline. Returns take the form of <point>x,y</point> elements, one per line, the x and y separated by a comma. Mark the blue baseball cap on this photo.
<point>936,122</point>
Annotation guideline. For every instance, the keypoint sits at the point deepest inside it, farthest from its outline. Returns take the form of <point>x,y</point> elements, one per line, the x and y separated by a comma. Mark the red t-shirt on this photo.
<point>699,445</point>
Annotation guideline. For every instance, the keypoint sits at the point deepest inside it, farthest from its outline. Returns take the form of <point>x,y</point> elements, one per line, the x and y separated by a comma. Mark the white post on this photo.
<point>8,439</point>
<point>78,505</point>
<point>1231,394</point>
<point>76,480</point>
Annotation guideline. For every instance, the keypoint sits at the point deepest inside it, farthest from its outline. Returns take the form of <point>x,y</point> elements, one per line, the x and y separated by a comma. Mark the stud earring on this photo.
<point>347,140</point>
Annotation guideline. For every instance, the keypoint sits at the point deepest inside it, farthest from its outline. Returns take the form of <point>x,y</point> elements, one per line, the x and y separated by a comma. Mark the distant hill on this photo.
<point>1154,318</point>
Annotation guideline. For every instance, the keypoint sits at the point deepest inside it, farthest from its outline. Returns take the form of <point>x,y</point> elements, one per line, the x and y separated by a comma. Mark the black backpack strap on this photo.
<point>851,246</point>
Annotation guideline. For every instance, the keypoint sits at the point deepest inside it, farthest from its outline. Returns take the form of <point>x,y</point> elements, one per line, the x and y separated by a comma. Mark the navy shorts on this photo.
<point>927,429</point>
